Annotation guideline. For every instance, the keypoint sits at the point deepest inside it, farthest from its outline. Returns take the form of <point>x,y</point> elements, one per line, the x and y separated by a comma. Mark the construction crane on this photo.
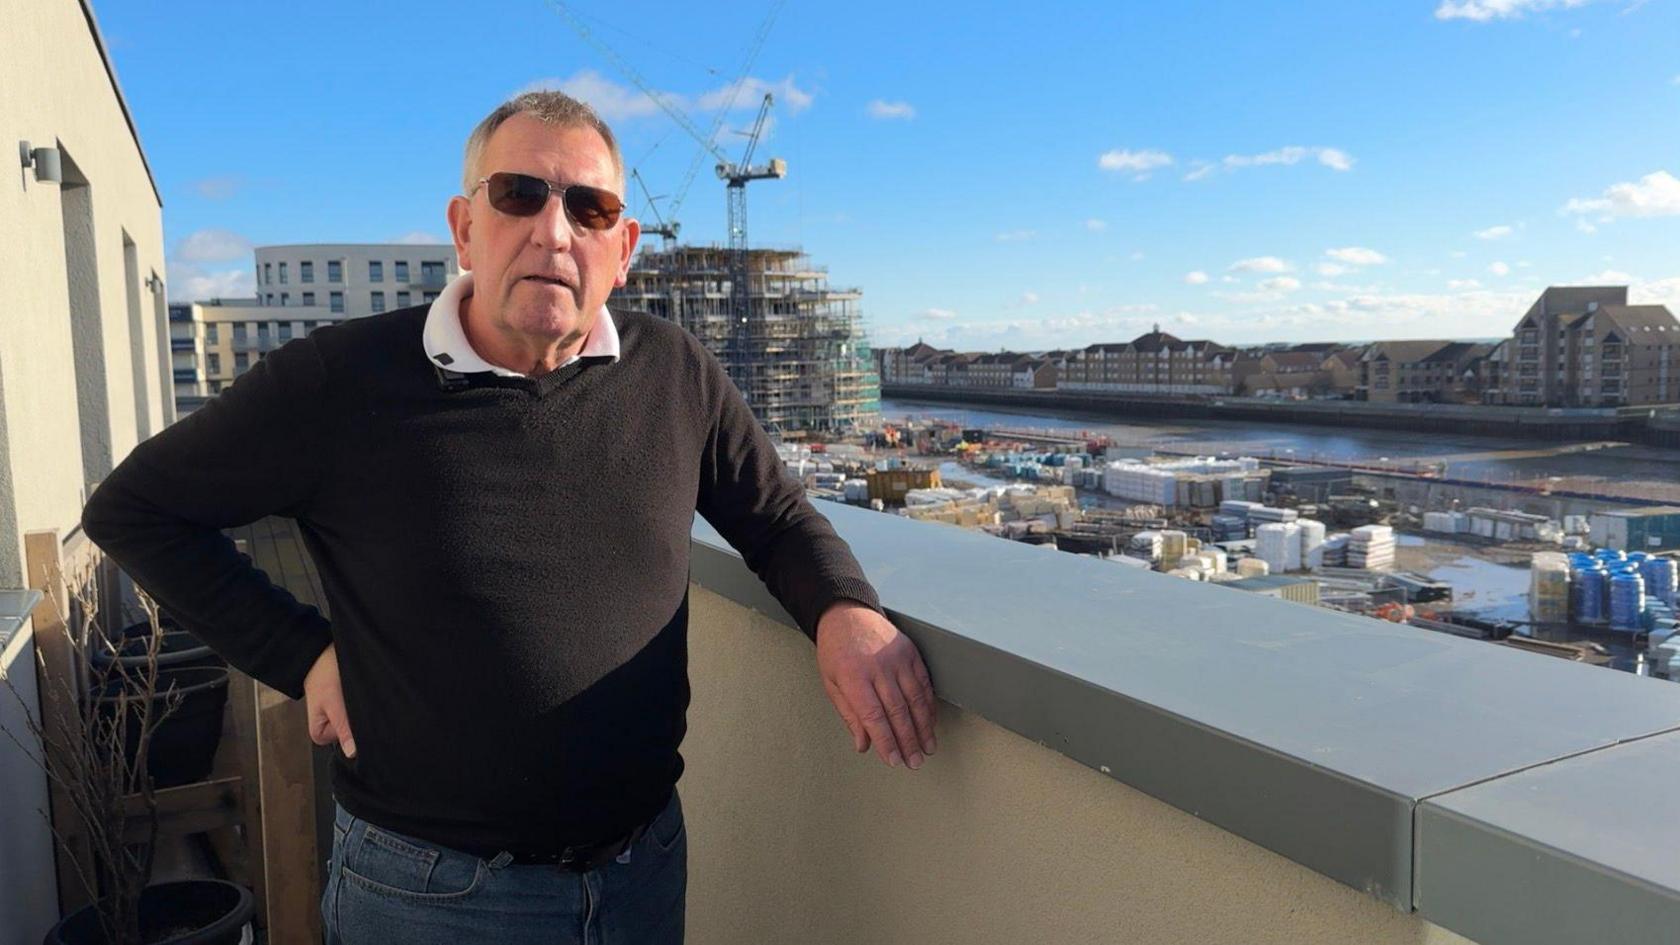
<point>708,139</point>
<point>736,176</point>
<point>666,230</point>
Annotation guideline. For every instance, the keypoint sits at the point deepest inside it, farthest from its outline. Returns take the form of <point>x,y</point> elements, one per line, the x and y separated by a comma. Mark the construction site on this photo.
<point>799,352</point>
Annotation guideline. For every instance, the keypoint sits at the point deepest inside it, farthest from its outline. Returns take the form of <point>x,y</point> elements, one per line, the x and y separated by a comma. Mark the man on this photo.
<point>498,492</point>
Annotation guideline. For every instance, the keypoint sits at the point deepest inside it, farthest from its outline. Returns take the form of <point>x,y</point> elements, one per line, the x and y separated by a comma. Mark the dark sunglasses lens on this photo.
<point>593,209</point>
<point>518,194</point>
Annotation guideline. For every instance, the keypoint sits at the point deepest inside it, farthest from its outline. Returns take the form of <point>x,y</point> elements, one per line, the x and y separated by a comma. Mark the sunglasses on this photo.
<point>522,195</point>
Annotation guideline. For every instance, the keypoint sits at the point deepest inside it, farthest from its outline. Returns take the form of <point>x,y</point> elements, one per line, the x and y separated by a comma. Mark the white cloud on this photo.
<point>1657,292</point>
<point>1095,225</point>
<point>1329,269</point>
<point>216,188</point>
<point>418,238</point>
<point>212,245</point>
<point>1461,284</point>
<point>1029,298</point>
<point>1499,269</point>
<point>616,102</point>
<point>1357,256</point>
<point>1195,277</point>
<point>1280,284</point>
<point>938,314</point>
<point>1261,264</point>
<point>1524,264</point>
<point>1674,81</point>
<point>1585,227</point>
<point>1136,256</point>
<point>888,111</point>
<point>1607,277</point>
<point>751,90</point>
<point>1134,162</point>
<point>191,283</point>
<point>1494,232</point>
<point>1015,236</point>
<point>613,102</point>
<point>1482,11</point>
<point>1333,158</point>
<point>1200,169</point>
<point>1655,195</point>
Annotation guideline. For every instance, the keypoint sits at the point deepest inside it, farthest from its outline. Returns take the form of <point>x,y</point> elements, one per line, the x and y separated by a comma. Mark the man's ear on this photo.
<point>632,232</point>
<point>459,215</point>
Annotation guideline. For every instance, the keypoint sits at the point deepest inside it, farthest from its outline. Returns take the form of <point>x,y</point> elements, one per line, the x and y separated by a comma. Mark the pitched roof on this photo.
<point>1404,352</point>
<point>1645,320</point>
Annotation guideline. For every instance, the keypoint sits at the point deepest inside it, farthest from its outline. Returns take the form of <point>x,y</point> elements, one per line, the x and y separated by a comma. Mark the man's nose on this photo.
<point>551,228</point>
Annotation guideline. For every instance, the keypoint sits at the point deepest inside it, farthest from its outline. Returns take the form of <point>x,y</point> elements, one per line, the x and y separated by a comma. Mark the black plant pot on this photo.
<point>194,912</point>
<point>184,745</point>
<point>179,649</point>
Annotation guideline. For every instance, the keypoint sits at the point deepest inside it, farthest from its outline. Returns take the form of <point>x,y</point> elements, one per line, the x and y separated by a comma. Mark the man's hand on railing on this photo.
<point>876,679</point>
<point>324,698</point>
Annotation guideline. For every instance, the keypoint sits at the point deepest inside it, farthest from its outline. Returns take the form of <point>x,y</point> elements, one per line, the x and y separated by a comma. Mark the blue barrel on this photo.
<point>1627,602</point>
<point>1588,591</point>
<point>1661,578</point>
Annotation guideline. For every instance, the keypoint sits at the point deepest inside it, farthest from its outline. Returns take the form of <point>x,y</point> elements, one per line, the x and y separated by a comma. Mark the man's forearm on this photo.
<point>196,574</point>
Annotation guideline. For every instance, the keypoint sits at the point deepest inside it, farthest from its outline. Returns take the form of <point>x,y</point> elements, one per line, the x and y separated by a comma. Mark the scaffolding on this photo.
<point>800,356</point>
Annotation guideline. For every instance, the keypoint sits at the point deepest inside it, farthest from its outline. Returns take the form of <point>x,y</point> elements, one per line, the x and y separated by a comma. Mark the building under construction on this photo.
<point>799,354</point>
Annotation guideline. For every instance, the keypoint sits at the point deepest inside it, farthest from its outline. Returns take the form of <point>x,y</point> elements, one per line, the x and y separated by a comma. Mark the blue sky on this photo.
<point>989,175</point>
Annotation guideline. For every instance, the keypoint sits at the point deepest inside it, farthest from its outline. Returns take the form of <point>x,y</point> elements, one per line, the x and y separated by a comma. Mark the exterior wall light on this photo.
<point>48,168</point>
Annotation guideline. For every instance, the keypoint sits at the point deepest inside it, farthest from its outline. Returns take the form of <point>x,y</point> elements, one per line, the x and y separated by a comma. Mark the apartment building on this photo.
<point>1152,363</point>
<point>83,361</point>
<point>1585,346</point>
<point>352,280</point>
<point>1301,371</point>
<point>1415,372</point>
<point>213,342</point>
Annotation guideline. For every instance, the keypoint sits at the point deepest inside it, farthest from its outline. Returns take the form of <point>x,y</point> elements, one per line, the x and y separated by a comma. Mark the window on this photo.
<point>285,298</point>
<point>212,333</point>
<point>376,271</point>
<point>306,271</point>
<point>402,270</point>
<point>431,272</point>
<point>285,332</point>
<point>241,362</point>
<point>214,363</point>
<point>309,298</point>
<point>270,298</point>
<point>268,273</point>
<point>335,270</point>
<point>241,332</point>
<point>427,298</point>
<point>336,301</point>
<point>378,302</point>
<point>262,333</point>
<point>282,273</point>
<point>403,299</point>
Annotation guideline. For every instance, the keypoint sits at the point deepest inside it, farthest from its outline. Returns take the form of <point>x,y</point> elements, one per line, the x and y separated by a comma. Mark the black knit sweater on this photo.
<point>506,564</point>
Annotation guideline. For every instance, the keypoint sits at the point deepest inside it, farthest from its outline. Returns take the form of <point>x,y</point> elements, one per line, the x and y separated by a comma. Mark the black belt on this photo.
<point>575,859</point>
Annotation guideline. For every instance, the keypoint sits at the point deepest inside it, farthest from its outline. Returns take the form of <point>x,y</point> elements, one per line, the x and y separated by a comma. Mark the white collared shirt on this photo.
<point>447,346</point>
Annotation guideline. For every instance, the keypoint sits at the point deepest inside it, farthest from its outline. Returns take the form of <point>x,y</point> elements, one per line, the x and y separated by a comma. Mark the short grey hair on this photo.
<point>547,105</point>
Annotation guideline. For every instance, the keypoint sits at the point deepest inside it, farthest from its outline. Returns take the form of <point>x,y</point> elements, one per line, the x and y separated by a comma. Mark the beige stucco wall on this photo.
<point>793,838</point>
<point>55,91</point>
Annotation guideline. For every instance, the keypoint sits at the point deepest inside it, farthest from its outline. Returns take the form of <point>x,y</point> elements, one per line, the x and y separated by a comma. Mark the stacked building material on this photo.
<point>1371,547</point>
<point>1279,546</point>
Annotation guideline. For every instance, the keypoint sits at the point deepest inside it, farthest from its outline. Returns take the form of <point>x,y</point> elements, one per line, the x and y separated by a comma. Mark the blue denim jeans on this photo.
<point>385,887</point>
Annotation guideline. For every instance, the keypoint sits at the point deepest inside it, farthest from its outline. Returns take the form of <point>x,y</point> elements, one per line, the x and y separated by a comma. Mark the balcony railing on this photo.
<point>1421,780</point>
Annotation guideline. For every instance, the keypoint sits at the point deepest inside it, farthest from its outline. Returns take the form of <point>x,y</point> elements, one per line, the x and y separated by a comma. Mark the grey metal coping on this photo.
<point>15,608</point>
<point>1313,733</point>
<point>1580,850</point>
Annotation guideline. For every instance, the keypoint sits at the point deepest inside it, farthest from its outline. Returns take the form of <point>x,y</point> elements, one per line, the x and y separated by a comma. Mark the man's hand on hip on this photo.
<point>324,697</point>
<point>876,679</point>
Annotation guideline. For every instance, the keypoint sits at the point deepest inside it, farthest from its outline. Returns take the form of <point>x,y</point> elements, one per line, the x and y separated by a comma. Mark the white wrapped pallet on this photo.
<point>1279,545</point>
<point>1548,591</point>
<point>1439,522</point>
<point>1312,542</point>
<point>1253,567</point>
